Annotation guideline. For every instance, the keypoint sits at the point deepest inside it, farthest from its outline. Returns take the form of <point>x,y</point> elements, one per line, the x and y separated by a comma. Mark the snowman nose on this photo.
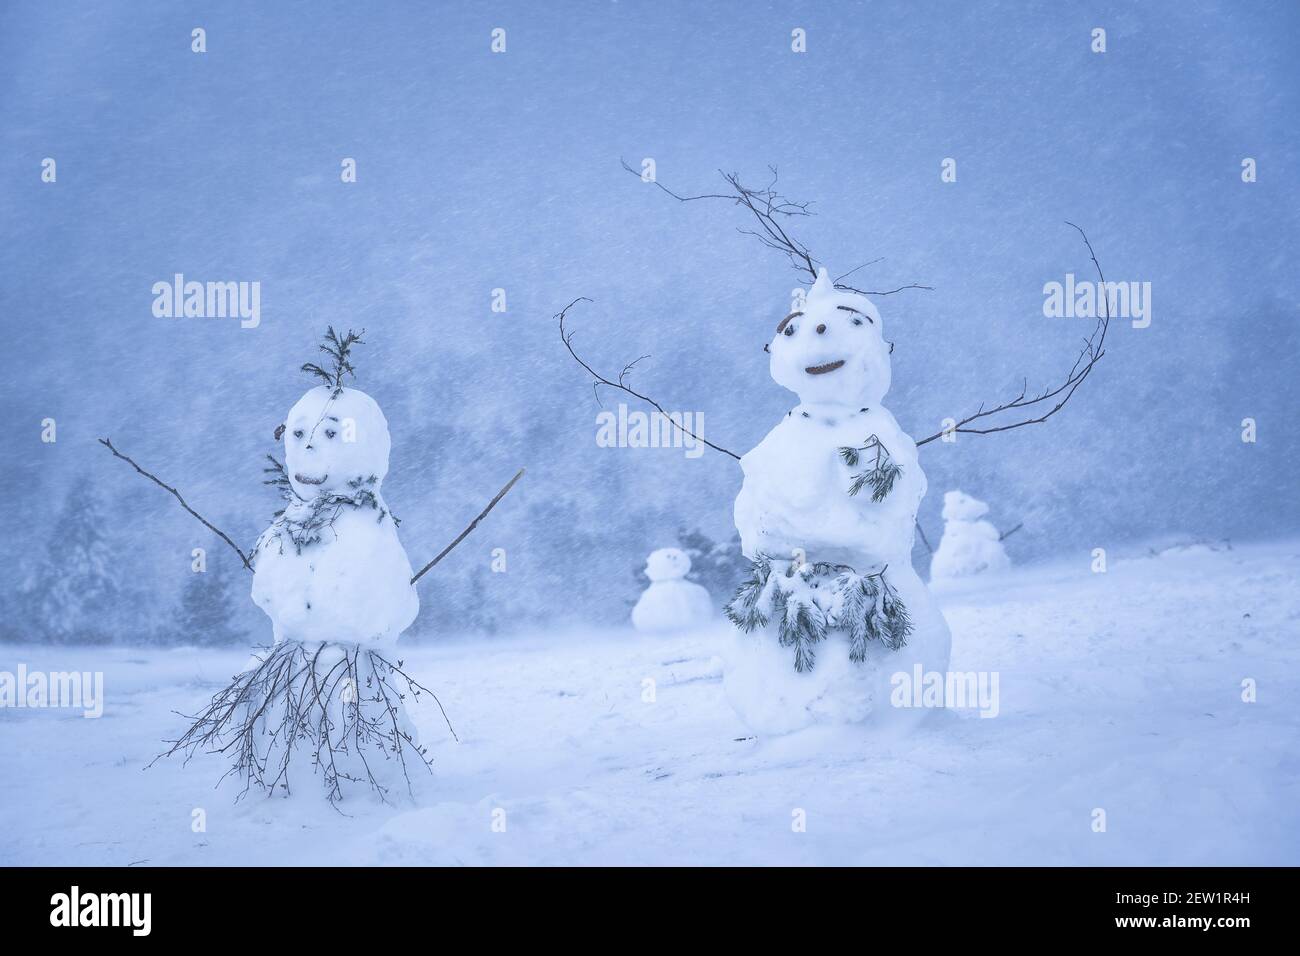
<point>821,329</point>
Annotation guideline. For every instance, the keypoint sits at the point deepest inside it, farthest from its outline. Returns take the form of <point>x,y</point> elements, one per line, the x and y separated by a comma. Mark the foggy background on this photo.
<point>479,171</point>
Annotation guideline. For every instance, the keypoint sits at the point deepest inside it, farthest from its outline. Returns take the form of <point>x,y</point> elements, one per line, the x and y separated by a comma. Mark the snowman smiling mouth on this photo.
<point>823,369</point>
<point>303,479</point>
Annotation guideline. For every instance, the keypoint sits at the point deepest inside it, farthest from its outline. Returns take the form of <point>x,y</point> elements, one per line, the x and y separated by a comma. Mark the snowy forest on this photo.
<point>413,250</point>
<point>832,256</point>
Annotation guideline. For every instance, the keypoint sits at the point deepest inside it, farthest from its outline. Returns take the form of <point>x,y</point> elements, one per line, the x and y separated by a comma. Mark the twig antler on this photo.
<point>472,525</point>
<point>1092,351</point>
<point>621,384</point>
<point>769,208</point>
<point>154,478</point>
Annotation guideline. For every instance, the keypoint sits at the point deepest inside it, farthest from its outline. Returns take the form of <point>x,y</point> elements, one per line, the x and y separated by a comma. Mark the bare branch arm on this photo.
<point>621,384</point>
<point>1006,534</point>
<point>472,525</point>
<point>1091,353</point>
<point>206,523</point>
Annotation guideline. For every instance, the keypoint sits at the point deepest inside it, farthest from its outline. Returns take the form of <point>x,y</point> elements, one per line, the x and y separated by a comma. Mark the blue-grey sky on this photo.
<point>478,171</point>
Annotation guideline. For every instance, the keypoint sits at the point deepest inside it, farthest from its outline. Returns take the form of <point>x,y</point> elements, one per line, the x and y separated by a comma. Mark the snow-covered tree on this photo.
<point>75,590</point>
<point>210,606</point>
<point>717,566</point>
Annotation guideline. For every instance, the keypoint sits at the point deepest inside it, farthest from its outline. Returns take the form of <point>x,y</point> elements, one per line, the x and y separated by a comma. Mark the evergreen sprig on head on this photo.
<point>339,350</point>
<point>882,473</point>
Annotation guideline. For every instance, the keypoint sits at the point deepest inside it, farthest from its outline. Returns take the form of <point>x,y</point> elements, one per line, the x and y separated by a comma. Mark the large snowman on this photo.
<point>833,610</point>
<point>969,545</point>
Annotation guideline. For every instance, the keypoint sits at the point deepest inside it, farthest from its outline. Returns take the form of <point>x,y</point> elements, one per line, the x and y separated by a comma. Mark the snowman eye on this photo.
<point>330,433</point>
<point>789,330</point>
<point>784,325</point>
<point>297,433</point>
<point>856,321</point>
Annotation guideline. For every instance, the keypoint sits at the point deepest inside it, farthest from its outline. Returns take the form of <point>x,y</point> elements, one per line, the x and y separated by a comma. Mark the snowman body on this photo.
<point>331,567</point>
<point>969,545</point>
<point>671,603</point>
<point>351,586</point>
<point>795,506</point>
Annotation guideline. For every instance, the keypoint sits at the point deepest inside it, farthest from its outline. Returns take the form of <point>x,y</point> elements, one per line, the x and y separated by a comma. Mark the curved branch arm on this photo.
<point>206,523</point>
<point>1091,353</point>
<point>621,384</point>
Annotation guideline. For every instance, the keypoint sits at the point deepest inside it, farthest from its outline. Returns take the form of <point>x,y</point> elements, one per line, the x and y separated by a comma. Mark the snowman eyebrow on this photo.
<point>849,308</point>
<point>792,315</point>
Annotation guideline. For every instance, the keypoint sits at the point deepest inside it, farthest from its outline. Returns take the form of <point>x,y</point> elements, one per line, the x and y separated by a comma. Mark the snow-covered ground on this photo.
<point>1120,691</point>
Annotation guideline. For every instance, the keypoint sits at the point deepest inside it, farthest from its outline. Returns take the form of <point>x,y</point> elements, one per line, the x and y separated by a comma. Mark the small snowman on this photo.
<point>969,545</point>
<point>333,577</point>
<point>671,603</point>
<point>833,609</point>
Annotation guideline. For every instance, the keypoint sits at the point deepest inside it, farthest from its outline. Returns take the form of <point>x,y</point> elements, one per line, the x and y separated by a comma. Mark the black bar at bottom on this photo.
<point>341,904</point>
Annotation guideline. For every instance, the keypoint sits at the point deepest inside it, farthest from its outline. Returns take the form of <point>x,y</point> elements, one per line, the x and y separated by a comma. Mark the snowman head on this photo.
<point>832,349</point>
<point>959,506</point>
<point>333,437</point>
<point>667,564</point>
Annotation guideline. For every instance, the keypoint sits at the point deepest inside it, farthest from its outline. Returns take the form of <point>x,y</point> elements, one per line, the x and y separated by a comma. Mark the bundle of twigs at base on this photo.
<point>341,704</point>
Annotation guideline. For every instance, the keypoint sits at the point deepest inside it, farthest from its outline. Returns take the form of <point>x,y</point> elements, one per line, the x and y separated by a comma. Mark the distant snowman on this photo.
<point>969,545</point>
<point>671,603</point>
